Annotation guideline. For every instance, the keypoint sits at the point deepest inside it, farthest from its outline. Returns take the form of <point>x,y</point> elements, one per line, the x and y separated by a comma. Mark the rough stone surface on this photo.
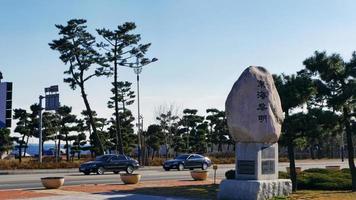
<point>254,189</point>
<point>253,108</point>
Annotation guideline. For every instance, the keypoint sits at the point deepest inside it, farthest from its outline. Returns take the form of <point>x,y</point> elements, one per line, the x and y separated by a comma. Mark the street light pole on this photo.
<point>137,71</point>
<point>137,67</point>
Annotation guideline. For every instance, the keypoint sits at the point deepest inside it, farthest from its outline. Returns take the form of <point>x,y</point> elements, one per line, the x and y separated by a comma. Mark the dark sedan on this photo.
<point>113,163</point>
<point>187,161</point>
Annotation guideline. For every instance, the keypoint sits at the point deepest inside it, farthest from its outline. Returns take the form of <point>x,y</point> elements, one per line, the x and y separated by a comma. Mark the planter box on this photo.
<point>297,169</point>
<point>333,167</point>
<point>199,175</point>
<point>130,178</point>
<point>52,182</point>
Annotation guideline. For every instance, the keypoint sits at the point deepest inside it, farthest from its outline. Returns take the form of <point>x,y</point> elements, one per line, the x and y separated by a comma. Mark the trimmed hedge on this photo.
<point>322,179</point>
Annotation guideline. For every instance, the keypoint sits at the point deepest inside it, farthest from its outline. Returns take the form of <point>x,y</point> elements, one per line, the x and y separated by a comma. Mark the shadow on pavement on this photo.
<point>180,192</point>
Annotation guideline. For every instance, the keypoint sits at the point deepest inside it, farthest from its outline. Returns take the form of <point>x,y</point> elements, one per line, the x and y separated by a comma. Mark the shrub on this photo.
<point>156,161</point>
<point>317,170</point>
<point>33,164</point>
<point>230,174</point>
<point>221,154</point>
<point>323,179</point>
<point>283,175</point>
<point>283,159</point>
<point>222,160</point>
<point>51,159</point>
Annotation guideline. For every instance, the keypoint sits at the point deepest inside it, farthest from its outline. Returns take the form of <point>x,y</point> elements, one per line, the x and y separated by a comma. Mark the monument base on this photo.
<point>254,189</point>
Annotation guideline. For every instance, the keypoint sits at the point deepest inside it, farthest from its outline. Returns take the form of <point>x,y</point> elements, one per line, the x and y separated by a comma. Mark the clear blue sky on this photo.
<point>202,46</point>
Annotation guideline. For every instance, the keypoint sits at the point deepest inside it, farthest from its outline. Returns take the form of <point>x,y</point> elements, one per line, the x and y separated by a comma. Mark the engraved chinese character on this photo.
<point>262,118</point>
<point>260,84</point>
<point>261,94</point>
<point>262,107</point>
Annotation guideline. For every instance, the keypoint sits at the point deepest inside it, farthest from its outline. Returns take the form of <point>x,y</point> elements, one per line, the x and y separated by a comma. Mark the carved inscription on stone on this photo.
<point>268,167</point>
<point>246,167</point>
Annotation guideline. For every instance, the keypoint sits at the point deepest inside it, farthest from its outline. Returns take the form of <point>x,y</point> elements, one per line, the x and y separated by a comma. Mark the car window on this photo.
<point>121,157</point>
<point>114,158</point>
<point>102,158</point>
<point>182,157</point>
<point>118,157</point>
<point>196,157</point>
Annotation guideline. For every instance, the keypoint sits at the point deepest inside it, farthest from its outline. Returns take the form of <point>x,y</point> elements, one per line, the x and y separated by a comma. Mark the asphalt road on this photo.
<point>32,180</point>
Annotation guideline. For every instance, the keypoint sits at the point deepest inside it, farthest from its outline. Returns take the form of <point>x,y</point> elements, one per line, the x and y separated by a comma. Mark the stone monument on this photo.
<point>254,117</point>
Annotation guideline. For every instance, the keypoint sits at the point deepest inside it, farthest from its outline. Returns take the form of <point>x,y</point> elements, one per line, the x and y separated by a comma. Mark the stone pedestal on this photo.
<point>256,161</point>
<point>256,174</point>
<point>254,189</point>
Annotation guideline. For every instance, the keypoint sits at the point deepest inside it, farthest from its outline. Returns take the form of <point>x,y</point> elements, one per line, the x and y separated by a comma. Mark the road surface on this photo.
<point>32,180</point>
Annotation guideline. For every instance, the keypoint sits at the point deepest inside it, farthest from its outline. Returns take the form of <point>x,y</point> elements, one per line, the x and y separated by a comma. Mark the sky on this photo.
<point>202,46</point>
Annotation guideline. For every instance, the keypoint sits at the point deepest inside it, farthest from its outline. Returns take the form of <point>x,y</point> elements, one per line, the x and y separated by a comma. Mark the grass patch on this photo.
<point>323,195</point>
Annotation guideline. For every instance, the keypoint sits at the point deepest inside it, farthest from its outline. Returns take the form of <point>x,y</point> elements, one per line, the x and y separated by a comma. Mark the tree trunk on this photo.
<point>20,148</point>
<point>167,151</point>
<point>59,149</point>
<point>78,152</point>
<point>311,149</point>
<point>117,119</point>
<point>220,146</point>
<point>26,145</point>
<point>97,142</point>
<point>67,147</point>
<point>291,157</point>
<point>42,147</point>
<point>293,173</point>
<point>92,154</point>
<point>350,147</point>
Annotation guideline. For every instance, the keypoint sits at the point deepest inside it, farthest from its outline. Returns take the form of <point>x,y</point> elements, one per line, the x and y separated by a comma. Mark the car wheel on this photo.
<point>116,172</point>
<point>180,167</point>
<point>100,171</point>
<point>191,168</point>
<point>86,173</point>
<point>166,169</point>
<point>204,166</point>
<point>129,169</point>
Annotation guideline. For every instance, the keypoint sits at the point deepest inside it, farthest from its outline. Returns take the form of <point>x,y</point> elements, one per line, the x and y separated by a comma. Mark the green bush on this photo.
<point>317,170</point>
<point>345,170</point>
<point>323,179</point>
<point>230,174</point>
<point>283,175</point>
